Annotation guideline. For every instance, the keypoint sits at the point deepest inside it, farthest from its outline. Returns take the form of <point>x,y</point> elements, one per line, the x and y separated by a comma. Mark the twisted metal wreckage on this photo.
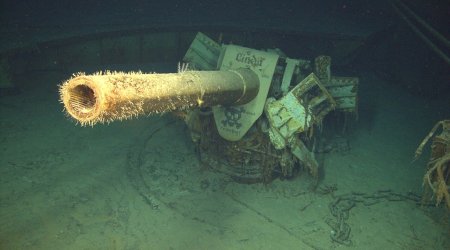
<point>437,176</point>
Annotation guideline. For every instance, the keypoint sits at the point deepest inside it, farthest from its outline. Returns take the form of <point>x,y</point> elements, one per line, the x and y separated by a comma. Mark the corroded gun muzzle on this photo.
<point>105,97</point>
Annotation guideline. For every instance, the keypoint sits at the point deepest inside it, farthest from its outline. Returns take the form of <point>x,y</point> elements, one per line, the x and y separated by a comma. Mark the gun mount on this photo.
<point>251,113</point>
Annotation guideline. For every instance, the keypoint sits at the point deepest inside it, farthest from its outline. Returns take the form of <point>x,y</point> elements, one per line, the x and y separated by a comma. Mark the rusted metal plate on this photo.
<point>344,90</point>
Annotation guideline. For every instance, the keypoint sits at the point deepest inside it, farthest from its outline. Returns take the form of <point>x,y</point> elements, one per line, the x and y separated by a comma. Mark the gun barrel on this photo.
<point>91,99</point>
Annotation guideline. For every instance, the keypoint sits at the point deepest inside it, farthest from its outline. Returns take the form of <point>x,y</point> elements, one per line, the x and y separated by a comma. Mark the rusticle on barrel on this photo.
<point>105,97</point>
